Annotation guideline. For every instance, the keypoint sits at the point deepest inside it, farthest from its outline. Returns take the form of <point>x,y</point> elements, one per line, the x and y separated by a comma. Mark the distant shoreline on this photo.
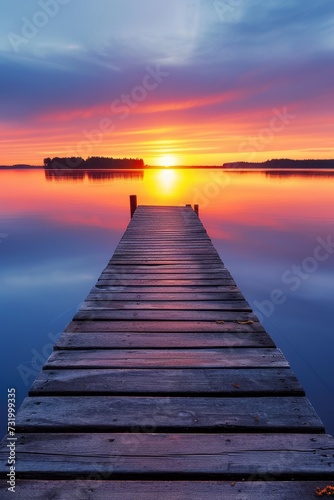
<point>282,164</point>
<point>20,167</point>
<point>269,165</point>
<point>200,167</point>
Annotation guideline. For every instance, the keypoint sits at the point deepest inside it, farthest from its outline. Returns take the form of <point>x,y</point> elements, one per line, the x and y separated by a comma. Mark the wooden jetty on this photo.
<point>166,386</point>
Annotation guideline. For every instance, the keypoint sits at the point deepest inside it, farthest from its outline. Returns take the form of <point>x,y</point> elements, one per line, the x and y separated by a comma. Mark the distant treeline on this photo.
<point>93,163</point>
<point>282,164</point>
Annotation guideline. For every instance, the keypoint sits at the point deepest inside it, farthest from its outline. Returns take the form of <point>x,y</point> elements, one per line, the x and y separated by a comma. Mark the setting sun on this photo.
<point>167,161</point>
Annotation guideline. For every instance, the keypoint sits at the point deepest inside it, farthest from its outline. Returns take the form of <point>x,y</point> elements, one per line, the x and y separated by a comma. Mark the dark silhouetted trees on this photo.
<point>93,163</point>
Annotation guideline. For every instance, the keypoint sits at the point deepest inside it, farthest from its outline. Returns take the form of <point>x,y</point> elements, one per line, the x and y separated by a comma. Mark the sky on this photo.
<point>187,82</point>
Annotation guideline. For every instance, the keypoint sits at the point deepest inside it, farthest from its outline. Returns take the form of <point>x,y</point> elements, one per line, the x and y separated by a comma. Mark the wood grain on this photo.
<point>97,489</point>
<point>159,339</point>
<point>164,315</point>
<point>161,305</point>
<point>196,382</point>
<point>167,414</point>
<point>226,456</point>
<point>171,358</point>
<point>166,326</point>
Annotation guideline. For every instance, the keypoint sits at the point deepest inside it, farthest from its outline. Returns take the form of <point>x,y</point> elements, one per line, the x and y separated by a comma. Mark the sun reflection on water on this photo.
<point>166,181</point>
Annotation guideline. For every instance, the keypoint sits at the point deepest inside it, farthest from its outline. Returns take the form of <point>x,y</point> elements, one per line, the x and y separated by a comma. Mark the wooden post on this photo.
<point>133,204</point>
<point>196,208</point>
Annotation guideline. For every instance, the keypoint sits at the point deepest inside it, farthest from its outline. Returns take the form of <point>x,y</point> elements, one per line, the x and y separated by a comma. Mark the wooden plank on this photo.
<point>169,231</point>
<point>182,234</point>
<point>163,326</point>
<point>167,247</point>
<point>97,489</point>
<point>167,414</point>
<point>164,217</point>
<point>112,340</point>
<point>213,282</point>
<point>161,269</point>
<point>178,219</point>
<point>202,266</point>
<point>144,238</point>
<point>169,224</point>
<point>164,272</point>
<point>168,358</point>
<point>161,239</point>
<point>171,228</point>
<point>165,276</point>
<point>225,456</point>
<point>164,261</point>
<point>172,254</point>
<point>164,224</point>
<point>163,305</point>
<point>178,214</point>
<point>170,258</point>
<point>190,289</point>
<point>184,242</point>
<point>183,214</point>
<point>165,315</point>
<point>144,231</point>
<point>183,237</point>
<point>227,382</point>
<point>101,294</point>
<point>166,243</point>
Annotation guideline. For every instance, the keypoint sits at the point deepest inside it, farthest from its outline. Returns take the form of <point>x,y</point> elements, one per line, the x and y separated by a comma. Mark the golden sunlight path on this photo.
<point>166,386</point>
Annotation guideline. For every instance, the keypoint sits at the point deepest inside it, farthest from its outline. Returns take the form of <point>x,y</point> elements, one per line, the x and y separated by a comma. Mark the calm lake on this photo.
<point>273,230</point>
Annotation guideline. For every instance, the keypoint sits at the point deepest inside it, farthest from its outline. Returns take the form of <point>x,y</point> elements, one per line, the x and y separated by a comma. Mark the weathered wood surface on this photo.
<point>97,489</point>
<point>166,326</point>
<point>199,283</point>
<point>198,265</point>
<point>171,358</point>
<point>140,261</point>
<point>159,455</point>
<point>101,304</point>
<point>167,414</point>
<point>165,315</point>
<point>166,373</point>
<point>192,290</point>
<point>185,276</point>
<point>122,340</point>
<point>210,381</point>
<point>152,297</point>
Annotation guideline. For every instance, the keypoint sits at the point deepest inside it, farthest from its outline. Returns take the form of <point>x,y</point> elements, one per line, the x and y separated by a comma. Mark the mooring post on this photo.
<point>133,204</point>
<point>196,208</point>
